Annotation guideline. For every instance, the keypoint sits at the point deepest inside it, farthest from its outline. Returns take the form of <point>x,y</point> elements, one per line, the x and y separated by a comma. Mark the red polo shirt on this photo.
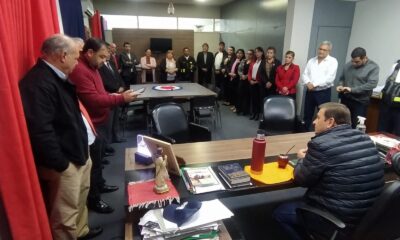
<point>91,92</point>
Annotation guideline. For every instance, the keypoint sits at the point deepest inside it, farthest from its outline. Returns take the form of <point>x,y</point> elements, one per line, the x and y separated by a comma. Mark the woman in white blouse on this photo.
<point>168,68</point>
<point>148,64</point>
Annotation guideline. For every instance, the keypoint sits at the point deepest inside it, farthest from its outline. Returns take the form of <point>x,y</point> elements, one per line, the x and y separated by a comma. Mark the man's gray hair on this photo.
<point>78,40</point>
<point>58,44</point>
<point>328,43</point>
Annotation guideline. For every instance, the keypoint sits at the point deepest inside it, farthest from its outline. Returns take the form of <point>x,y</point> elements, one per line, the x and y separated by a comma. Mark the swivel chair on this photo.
<point>171,125</point>
<point>279,115</point>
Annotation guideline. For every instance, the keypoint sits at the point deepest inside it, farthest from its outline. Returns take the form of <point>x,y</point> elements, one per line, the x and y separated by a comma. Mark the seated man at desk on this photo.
<point>341,169</point>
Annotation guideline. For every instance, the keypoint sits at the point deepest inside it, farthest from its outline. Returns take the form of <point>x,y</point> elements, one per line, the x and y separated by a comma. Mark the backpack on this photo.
<point>391,91</point>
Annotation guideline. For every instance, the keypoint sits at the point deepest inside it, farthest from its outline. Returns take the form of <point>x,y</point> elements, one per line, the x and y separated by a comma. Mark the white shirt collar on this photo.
<point>59,73</point>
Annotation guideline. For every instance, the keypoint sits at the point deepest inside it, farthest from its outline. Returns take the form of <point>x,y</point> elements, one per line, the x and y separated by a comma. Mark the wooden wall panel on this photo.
<point>140,40</point>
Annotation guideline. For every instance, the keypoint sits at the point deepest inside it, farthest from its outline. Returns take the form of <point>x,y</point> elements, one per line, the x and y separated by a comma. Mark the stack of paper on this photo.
<point>204,221</point>
<point>384,142</point>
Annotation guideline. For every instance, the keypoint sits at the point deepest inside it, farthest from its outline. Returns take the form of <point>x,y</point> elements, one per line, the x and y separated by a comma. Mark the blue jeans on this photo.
<point>286,216</point>
<point>313,100</point>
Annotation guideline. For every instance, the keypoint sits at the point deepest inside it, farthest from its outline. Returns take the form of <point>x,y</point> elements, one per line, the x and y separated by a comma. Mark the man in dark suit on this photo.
<point>60,133</point>
<point>127,63</point>
<point>113,84</point>
<point>186,66</point>
<point>205,61</point>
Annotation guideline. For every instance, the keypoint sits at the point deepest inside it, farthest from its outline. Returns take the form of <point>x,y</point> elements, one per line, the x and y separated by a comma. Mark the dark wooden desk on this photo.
<point>373,115</point>
<point>212,153</point>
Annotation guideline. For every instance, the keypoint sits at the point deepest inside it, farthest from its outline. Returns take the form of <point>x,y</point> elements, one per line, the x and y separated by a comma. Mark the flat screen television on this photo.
<point>160,44</point>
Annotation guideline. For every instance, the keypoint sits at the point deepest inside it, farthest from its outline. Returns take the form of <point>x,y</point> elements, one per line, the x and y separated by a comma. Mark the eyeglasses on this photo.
<point>323,49</point>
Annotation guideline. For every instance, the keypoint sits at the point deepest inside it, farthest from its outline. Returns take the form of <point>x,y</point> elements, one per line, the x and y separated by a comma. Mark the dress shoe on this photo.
<point>108,154</point>
<point>105,161</point>
<point>252,117</point>
<point>108,188</point>
<point>256,117</point>
<point>226,103</point>
<point>93,232</point>
<point>109,149</point>
<point>120,140</point>
<point>100,206</point>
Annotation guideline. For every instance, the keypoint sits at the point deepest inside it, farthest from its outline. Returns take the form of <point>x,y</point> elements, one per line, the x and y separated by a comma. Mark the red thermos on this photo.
<point>257,157</point>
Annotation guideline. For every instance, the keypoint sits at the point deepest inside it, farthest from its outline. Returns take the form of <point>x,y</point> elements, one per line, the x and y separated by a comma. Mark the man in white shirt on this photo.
<point>219,59</point>
<point>318,77</point>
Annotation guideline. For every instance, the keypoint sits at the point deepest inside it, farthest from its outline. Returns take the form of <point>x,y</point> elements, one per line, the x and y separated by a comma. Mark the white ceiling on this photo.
<point>190,2</point>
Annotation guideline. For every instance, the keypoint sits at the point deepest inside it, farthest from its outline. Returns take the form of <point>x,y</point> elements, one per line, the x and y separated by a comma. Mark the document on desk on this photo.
<point>209,213</point>
<point>201,180</point>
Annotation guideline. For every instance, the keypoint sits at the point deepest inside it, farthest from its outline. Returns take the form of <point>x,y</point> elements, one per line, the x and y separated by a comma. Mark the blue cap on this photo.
<point>180,214</point>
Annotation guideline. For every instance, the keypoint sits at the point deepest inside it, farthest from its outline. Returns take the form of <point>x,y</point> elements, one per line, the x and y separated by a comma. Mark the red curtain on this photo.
<point>24,24</point>
<point>95,25</point>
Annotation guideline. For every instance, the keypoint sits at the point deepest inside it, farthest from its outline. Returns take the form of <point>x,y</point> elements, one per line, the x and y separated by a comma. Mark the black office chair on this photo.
<point>171,125</point>
<point>380,222</point>
<point>205,107</point>
<point>279,115</point>
<point>396,163</point>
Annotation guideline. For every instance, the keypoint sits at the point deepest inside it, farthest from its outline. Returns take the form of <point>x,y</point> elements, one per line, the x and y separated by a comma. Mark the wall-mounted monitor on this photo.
<point>160,44</point>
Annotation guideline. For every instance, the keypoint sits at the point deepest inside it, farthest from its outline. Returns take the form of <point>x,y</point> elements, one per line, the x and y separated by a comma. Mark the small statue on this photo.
<point>161,173</point>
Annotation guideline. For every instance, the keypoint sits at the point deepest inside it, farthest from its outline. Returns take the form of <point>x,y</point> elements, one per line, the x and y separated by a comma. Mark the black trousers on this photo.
<point>313,100</point>
<point>389,119</point>
<point>243,100</point>
<point>233,88</point>
<point>130,79</point>
<point>219,78</point>
<point>356,109</point>
<point>114,133</point>
<point>255,98</point>
<point>97,154</point>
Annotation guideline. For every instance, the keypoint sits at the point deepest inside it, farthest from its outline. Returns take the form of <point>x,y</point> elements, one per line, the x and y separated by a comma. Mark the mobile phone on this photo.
<point>139,91</point>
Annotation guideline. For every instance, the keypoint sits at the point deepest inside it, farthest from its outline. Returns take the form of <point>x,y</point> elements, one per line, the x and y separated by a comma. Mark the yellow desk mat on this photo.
<point>272,173</point>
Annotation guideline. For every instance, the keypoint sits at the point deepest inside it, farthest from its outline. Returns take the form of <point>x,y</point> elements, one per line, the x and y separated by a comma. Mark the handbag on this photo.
<point>391,90</point>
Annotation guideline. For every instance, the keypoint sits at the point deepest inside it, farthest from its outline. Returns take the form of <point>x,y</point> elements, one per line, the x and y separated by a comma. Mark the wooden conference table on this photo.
<point>224,150</point>
<point>186,91</point>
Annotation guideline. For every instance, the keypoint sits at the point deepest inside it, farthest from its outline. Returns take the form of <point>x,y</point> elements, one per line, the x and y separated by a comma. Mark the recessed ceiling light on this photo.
<point>274,4</point>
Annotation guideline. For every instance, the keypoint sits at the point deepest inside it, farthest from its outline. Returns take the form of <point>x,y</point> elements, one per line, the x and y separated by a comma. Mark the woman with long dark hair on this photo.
<point>254,77</point>
<point>243,101</point>
<point>233,77</point>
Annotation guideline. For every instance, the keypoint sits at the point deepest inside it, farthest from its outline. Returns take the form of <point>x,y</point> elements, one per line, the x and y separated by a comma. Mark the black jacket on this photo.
<point>111,79</point>
<point>56,129</point>
<point>343,173</point>
<point>271,78</point>
<point>208,65</point>
<point>127,65</point>
<point>186,68</point>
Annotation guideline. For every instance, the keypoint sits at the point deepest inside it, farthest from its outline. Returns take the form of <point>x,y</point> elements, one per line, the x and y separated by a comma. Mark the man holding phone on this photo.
<point>98,102</point>
<point>359,78</point>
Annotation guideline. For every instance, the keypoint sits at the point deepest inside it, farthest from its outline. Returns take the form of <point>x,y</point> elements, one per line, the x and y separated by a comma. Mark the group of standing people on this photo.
<point>68,114</point>
<point>243,80</point>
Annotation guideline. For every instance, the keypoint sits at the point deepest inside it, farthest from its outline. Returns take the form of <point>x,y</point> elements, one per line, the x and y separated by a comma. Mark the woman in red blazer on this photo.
<point>287,76</point>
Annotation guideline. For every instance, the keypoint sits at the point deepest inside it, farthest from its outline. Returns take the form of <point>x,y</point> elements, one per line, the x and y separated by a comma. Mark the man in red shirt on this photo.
<point>98,103</point>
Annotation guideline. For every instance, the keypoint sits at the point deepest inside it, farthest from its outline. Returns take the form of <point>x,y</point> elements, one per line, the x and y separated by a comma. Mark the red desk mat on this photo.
<point>141,194</point>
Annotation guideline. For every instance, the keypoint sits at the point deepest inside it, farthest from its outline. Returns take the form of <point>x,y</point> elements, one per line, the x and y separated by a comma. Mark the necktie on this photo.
<point>115,61</point>
<point>86,115</point>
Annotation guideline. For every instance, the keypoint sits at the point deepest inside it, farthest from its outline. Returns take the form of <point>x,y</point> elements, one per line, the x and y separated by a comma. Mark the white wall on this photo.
<point>154,9</point>
<point>376,28</point>
<point>297,37</point>
<point>202,37</point>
